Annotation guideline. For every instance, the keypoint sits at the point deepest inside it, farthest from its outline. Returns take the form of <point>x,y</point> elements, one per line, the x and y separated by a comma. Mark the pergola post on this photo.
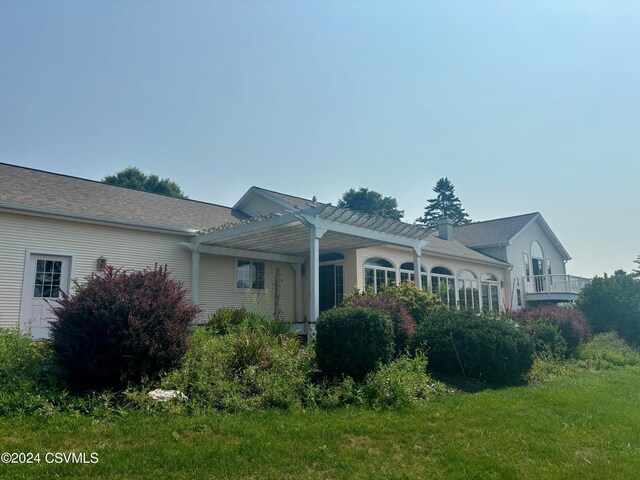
<point>315,234</point>
<point>417,271</point>
<point>195,275</point>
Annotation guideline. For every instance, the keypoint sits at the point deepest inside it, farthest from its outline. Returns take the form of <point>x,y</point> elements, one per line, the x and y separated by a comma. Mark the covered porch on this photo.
<point>303,239</point>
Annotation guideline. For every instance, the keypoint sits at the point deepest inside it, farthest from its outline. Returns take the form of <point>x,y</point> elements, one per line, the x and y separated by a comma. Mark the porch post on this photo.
<point>314,276</point>
<point>297,268</point>
<point>417,271</point>
<point>195,276</point>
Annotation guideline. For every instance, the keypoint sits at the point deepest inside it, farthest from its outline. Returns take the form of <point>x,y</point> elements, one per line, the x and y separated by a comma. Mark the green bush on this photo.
<point>607,350</point>
<point>613,303</point>
<point>421,304</point>
<point>226,320</point>
<point>569,320</point>
<point>403,323</point>
<point>480,346</point>
<point>249,370</point>
<point>547,338</point>
<point>27,379</point>
<point>352,341</point>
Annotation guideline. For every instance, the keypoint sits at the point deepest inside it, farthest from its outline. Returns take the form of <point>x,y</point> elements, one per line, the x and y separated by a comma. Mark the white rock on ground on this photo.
<point>160,395</point>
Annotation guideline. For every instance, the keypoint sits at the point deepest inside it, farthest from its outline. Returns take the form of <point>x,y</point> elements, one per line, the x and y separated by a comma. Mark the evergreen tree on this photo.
<point>446,204</point>
<point>133,177</point>
<point>636,271</point>
<point>371,202</point>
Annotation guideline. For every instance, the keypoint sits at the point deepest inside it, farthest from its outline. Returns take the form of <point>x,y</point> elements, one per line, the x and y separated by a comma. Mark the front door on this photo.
<point>331,286</point>
<point>44,278</point>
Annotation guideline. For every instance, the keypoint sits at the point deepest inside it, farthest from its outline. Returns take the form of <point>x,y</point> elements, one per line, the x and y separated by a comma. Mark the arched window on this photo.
<point>444,283</point>
<point>377,273</point>
<point>490,292</point>
<point>536,250</point>
<point>331,257</point>
<point>407,274</point>
<point>468,290</point>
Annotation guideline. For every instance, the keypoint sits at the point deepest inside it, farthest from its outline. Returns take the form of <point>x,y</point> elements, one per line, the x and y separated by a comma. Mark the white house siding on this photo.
<point>121,247</point>
<point>218,287</point>
<point>522,244</point>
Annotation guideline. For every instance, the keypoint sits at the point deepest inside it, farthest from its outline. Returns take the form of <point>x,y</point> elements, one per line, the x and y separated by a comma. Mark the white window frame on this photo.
<point>251,270</point>
<point>375,268</point>
<point>461,284</point>
<point>489,284</point>
<point>411,275</point>
<point>451,302</point>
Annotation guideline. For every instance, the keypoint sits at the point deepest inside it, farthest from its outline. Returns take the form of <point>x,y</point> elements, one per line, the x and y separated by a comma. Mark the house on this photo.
<point>55,228</point>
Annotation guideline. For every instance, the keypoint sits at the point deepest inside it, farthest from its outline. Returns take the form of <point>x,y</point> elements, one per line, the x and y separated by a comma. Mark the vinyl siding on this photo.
<point>218,287</point>
<point>130,249</point>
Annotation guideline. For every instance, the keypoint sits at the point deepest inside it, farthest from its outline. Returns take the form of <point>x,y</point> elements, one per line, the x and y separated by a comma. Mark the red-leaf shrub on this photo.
<point>571,322</point>
<point>122,326</point>
<point>403,323</point>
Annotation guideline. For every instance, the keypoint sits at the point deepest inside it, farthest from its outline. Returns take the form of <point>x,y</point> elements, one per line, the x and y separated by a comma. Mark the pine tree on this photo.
<point>446,204</point>
<point>636,271</point>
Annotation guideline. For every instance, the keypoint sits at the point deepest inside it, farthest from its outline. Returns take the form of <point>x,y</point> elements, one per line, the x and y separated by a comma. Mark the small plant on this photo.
<point>547,338</point>
<point>120,327</point>
<point>403,323</point>
<point>352,341</point>
<point>226,320</point>
<point>485,347</point>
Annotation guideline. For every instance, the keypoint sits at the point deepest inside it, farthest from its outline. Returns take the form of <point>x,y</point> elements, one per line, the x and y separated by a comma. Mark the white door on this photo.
<point>45,277</point>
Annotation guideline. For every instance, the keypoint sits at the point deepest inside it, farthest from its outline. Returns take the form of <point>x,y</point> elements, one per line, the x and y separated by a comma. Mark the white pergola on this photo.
<point>294,237</point>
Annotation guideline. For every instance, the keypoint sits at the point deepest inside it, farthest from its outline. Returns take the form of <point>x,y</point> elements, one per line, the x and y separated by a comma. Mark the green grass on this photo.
<point>583,425</point>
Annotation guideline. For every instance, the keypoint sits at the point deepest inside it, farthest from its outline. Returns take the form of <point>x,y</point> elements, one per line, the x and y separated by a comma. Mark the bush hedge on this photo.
<point>120,327</point>
<point>421,304</point>
<point>482,346</point>
<point>570,321</point>
<point>403,323</point>
<point>352,341</point>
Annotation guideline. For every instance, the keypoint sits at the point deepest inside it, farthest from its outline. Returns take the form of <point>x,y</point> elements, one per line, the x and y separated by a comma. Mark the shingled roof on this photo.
<point>491,232</point>
<point>29,189</point>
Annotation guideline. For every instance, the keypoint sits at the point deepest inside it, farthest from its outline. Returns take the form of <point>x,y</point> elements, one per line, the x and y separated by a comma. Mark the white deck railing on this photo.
<point>547,284</point>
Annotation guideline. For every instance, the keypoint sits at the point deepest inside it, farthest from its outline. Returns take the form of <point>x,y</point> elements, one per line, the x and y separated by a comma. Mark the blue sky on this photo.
<point>525,106</point>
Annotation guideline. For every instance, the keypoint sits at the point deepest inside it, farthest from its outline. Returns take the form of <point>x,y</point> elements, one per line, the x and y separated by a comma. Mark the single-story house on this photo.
<point>55,228</point>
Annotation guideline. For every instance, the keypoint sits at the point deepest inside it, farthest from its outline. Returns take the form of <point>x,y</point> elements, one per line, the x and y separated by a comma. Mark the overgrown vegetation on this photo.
<point>120,327</point>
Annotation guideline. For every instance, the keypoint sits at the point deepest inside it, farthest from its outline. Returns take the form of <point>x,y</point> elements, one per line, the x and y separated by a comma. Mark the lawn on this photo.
<point>585,425</point>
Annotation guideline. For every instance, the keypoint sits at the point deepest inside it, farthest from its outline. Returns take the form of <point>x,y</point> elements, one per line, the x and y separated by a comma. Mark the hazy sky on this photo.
<point>525,106</point>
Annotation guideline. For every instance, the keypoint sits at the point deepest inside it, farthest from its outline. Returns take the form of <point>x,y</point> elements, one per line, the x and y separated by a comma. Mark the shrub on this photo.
<point>571,323</point>
<point>421,304</point>
<point>400,383</point>
<point>403,323</point>
<point>607,350</point>
<point>613,303</point>
<point>245,371</point>
<point>226,320</point>
<point>546,337</point>
<point>482,346</point>
<point>351,341</point>
<point>26,374</point>
<point>122,326</point>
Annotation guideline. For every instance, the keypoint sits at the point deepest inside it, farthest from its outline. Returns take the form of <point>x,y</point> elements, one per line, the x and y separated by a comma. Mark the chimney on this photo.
<point>445,228</point>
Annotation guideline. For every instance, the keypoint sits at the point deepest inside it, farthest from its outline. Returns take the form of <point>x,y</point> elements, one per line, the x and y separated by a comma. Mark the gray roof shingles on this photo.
<point>25,187</point>
<point>298,202</point>
<point>491,232</point>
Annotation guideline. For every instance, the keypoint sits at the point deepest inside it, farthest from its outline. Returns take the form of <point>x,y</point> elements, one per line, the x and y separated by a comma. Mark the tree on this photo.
<point>446,204</point>
<point>372,203</point>
<point>133,177</point>
<point>636,271</point>
<point>613,303</point>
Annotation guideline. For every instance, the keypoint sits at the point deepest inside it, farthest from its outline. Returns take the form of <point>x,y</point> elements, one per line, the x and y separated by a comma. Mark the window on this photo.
<point>407,274</point>
<point>549,271</point>
<point>377,273</point>
<point>527,268</point>
<point>339,284</point>
<point>47,283</point>
<point>443,283</point>
<point>490,292</point>
<point>468,291</point>
<point>250,275</point>
<point>536,250</point>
